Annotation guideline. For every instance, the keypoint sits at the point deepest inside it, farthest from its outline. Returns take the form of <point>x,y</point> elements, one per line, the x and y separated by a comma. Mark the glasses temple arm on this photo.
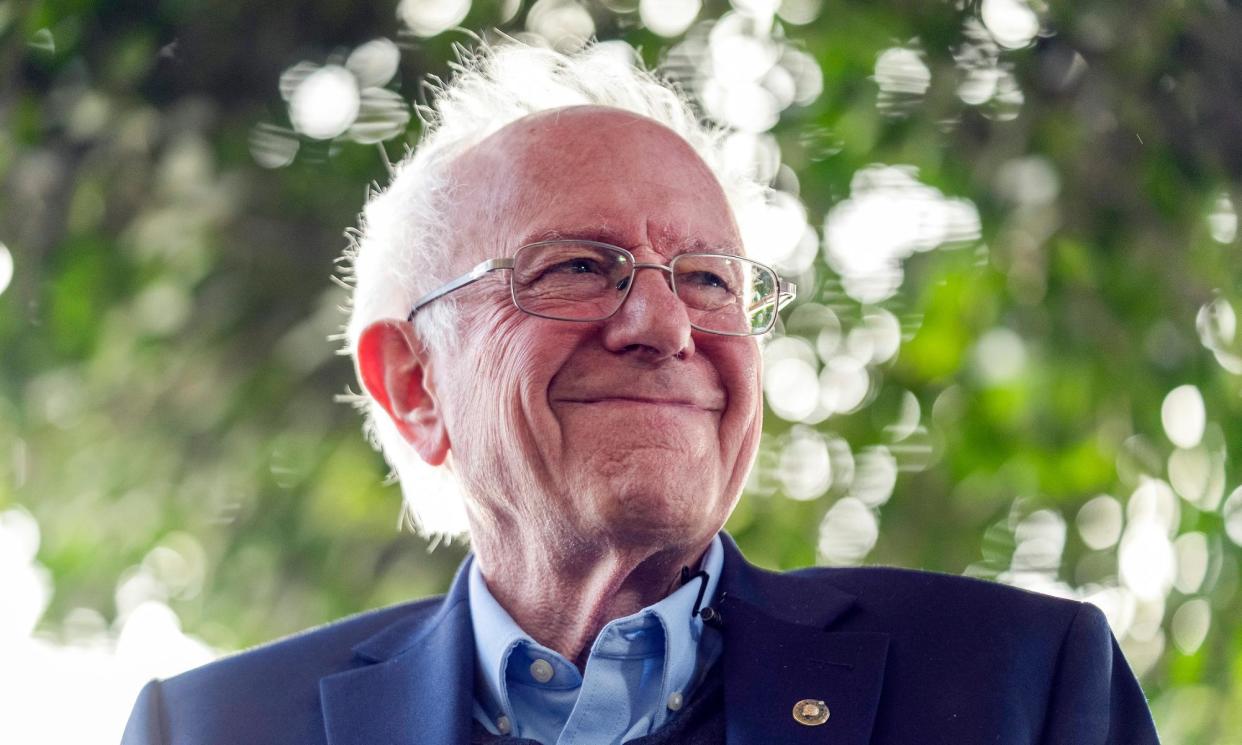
<point>470,277</point>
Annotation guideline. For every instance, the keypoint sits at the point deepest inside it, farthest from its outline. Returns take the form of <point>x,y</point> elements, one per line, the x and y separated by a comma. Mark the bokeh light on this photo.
<point>1000,356</point>
<point>1012,22</point>
<point>374,63</point>
<point>1190,624</point>
<point>805,465</point>
<point>847,533</point>
<point>1217,323</point>
<point>789,379</point>
<point>1223,220</point>
<point>800,12</point>
<point>903,77</point>
<point>1099,522</point>
<point>325,103</point>
<point>1183,416</point>
<point>382,115</point>
<point>669,17</point>
<point>565,24</point>
<point>24,584</point>
<point>272,146</point>
<point>6,268</point>
<point>875,476</point>
<point>431,17</point>
<point>1198,475</point>
<point>1231,511</point>
<point>1192,562</point>
<point>889,216</point>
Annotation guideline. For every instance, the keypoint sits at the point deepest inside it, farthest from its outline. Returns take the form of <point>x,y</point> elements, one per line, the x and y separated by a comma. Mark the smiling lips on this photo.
<point>690,402</point>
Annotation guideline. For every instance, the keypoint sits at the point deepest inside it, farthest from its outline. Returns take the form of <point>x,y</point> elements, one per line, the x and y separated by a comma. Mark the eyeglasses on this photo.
<point>580,280</point>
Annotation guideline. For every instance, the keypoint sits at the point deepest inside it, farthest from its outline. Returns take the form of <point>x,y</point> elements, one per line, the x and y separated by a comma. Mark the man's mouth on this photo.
<point>642,400</point>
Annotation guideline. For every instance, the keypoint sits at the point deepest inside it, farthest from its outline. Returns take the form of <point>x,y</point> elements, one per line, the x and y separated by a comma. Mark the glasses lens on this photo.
<point>726,294</point>
<point>570,280</point>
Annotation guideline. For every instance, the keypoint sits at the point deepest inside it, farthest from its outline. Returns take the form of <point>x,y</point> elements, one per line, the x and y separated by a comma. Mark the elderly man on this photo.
<point>553,300</point>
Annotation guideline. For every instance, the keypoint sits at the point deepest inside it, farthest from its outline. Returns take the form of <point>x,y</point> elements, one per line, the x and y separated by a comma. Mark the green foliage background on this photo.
<point>166,378</point>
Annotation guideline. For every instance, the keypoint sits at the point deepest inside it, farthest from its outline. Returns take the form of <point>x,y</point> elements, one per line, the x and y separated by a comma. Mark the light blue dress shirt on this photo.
<point>641,669</point>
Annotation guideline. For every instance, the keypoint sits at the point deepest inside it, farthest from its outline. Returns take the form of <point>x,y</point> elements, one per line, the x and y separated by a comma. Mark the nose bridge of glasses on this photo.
<point>662,267</point>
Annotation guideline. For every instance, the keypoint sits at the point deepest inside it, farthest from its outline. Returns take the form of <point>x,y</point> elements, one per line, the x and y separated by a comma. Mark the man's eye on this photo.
<point>576,266</point>
<point>705,279</point>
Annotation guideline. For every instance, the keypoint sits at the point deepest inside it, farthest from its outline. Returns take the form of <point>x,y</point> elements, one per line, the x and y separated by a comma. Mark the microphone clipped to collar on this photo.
<point>710,615</point>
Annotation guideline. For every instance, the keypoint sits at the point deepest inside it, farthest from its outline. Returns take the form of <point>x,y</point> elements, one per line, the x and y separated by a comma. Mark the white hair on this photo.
<point>402,249</point>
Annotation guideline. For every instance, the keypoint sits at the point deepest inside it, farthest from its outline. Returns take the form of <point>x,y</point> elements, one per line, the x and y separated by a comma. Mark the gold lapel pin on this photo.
<point>810,712</point>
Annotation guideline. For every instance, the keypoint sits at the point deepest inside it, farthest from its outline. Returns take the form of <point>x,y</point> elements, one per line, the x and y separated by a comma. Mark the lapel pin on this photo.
<point>810,712</point>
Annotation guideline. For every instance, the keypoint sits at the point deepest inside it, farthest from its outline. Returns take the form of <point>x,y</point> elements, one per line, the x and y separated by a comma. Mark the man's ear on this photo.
<point>394,367</point>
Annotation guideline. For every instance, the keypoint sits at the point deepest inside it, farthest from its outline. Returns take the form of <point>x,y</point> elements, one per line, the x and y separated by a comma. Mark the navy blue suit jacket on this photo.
<point>899,656</point>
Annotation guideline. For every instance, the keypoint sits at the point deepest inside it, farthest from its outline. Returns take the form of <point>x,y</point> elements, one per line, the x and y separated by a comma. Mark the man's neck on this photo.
<point>564,601</point>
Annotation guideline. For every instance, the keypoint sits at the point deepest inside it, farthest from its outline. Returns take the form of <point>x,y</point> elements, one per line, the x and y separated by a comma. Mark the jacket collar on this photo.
<point>410,689</point>
<point>780,649</point>
<point>417,679</point>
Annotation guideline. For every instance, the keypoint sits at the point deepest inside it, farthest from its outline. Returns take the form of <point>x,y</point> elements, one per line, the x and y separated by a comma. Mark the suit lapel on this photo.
<point>416,686</point>
<point>778,650</point>
<point>416,681</point>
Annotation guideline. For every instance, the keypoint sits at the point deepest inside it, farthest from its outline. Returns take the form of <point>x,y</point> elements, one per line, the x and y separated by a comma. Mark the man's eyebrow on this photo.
<point>605,234</point>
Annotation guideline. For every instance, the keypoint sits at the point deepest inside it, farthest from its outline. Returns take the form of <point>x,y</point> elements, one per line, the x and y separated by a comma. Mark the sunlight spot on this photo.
<point>1040,541</point>
<point>1031,181</point>
<point>772,228</point>
<point>1217,323</point>
<point>847,533</point>
<point>669,17</point>
<point>903,77</point>
<point>1153,501</point>
<point>1198,475</point>
<point>1000,356</point>
<point>564,23</point>
<point>1118,605</point>
<point>374,63</point>
<point>1183,416</point>
<point>272,146</point>
<point>807,75</point>
<point>1146,561</point>
<point>792,388</point>
<point>1190,625</point>
<point>908,418</point>
<point>6,268</point>
<point>875,476</point>
<point>1011,22</point>
<point>889,216</point>
<point>431,17</point>
<point>1232,514</point>
<point>844,384</point>
<point>1099,522</point>
<point>800,12</point>
<point>877,339</point>
<point>25,585</point>
<point>325,103</point>
<point>1223,222</point>
<point>740,50</point>
<point>382,115</point>
<point>805,467</point>
<point>1192,562</point>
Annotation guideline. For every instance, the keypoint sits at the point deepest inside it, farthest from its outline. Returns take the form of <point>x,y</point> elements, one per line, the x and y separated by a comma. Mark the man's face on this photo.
<point>634,428</point>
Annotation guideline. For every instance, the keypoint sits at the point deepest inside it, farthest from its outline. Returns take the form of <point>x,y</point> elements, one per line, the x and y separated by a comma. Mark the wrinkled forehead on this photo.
<point>586,168</point>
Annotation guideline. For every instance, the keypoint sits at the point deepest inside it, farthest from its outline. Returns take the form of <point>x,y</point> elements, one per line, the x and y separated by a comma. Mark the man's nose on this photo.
<point>652,318</point>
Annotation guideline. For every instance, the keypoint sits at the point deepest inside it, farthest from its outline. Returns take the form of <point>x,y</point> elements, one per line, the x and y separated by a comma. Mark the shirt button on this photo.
<point>675,701</point>
<point>503,725</point>
<point>541,670</point>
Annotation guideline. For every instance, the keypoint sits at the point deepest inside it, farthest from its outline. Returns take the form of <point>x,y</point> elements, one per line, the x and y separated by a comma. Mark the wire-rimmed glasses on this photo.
<point>582,280</point>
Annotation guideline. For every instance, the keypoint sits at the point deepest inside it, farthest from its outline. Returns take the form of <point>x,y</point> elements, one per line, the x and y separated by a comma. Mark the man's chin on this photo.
<point>661,512</point>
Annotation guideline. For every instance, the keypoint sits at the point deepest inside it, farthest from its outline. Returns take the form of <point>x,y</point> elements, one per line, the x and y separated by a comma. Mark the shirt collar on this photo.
<point>496,634</point>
